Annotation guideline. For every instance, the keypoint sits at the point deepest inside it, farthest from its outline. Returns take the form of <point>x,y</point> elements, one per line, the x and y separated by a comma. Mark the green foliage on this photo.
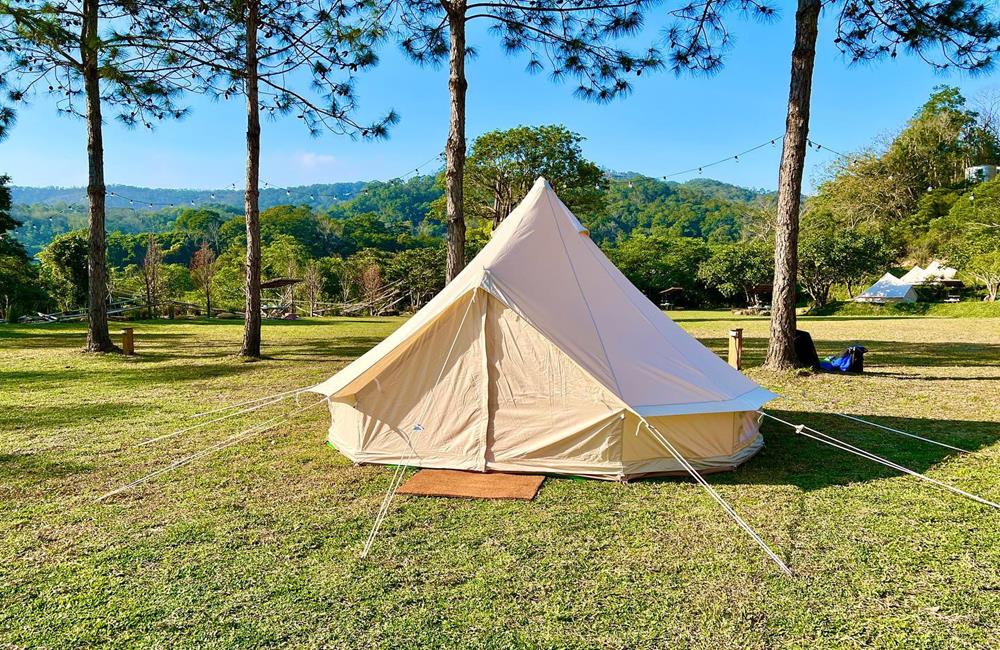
<point>401,205</point>
<point>503,165</point>
<point>19,288</point>
<point>64,269</point>
<point>314,233</point>
<point>918,175</point>
<point>655,263</point>
<point>283,257</point>
<point>694,209</point>
<point>829,255</point>
<point>420,271</point>
<point>738,267</point>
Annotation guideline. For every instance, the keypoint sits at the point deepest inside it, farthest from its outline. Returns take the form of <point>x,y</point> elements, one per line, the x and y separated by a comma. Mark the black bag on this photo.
<point>805,351</point>
<point>856,357</point>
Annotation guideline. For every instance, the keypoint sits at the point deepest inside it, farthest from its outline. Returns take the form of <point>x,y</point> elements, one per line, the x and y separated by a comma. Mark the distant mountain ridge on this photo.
<point>701,207</point>
<point>130,196</point>
<point>318,195</point>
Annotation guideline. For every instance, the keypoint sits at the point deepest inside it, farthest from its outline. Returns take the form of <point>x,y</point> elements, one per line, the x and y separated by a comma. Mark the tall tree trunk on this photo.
<point>251,201</point>
<point>455,149</point>
<point>781,350</point>
<point>98,338</point>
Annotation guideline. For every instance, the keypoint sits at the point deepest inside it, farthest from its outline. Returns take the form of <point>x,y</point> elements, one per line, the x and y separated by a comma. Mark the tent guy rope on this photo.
<point>218,446</point>
<point>819,436</point>
<point>902,433</point>
<point>274,399</point>
<point>715,495</point>
<point>397,477</point>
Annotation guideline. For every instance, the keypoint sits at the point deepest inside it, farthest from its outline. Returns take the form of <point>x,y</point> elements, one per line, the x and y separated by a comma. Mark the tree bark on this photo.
<point>98,338</point>
<point>251,199</point>
<point>455,148</point>
<point>781,350</point>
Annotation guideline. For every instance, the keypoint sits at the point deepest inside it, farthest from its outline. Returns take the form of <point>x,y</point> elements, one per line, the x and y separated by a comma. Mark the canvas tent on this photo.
<point>889,288</point>
<point>935,272</point>
<point>542,357</point>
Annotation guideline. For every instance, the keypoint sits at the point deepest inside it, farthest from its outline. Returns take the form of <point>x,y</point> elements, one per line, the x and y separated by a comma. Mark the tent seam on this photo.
<point>576,279</point>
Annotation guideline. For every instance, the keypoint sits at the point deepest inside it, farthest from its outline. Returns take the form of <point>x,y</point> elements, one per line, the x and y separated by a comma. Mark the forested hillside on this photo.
<point>698,243</point>
<point>697,208</point>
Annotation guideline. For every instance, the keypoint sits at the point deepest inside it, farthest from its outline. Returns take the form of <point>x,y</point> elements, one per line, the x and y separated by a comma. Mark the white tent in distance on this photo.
<point>542,357</point>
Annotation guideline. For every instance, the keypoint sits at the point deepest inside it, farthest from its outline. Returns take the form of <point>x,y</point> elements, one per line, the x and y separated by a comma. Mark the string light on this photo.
<point>736,157</point>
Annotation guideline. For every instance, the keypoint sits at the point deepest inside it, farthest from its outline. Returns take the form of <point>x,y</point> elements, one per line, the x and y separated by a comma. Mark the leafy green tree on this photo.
<point>18,276</point>
<point>86,49</point>
<point>280,57</point>
<point>969,237</point>
<point>654,263</point>
<point>284,257</point>
<point>576,38</point>
<point>64,269</point>
<point>915,178</point>
<point>829,254</point>
<point>945,33</point>
<point>737,268</point>
<point>503,165</point>
<point>419,272</point>
<point>302,224</point>
<point>201,224</point>
<point>985,267</point>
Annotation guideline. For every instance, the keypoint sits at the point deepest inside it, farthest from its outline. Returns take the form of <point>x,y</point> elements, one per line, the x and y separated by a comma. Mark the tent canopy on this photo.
<point>889,288</point>
<point>541,326</point>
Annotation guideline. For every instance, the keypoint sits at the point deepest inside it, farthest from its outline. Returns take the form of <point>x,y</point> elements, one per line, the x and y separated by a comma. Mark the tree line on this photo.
<point>138,59</point>
<point>700,243</point>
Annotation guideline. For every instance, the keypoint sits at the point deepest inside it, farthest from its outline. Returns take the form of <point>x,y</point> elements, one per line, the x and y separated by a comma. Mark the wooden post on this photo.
<point>128,340</point>
<point>736,348</point>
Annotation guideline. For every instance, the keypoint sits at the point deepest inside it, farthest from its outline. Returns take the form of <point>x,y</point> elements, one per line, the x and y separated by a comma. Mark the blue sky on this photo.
<point>668,124</point>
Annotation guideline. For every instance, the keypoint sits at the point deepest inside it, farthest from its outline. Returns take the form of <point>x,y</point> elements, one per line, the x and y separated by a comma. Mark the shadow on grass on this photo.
<point>892,353</point>
<point>791,459</point>
<point>71,416</point>
<point>332,349</point>
<point>37,466</point>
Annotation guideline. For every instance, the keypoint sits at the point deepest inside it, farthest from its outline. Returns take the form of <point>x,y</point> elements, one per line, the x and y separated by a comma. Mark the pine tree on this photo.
<point>282,58</point>
<point>574,39</point>
<point>82,54</point>
<point>945,33</point>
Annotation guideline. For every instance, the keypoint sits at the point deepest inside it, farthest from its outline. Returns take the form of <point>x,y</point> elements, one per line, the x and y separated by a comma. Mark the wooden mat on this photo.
<point>472,485</point>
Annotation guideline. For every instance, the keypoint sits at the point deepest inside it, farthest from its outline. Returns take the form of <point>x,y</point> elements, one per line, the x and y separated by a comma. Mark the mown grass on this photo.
<point>964,309</point>
<point>258,544</point>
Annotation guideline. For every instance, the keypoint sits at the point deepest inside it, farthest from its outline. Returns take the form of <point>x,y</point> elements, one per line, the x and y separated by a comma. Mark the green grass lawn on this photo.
<point>258,544</point>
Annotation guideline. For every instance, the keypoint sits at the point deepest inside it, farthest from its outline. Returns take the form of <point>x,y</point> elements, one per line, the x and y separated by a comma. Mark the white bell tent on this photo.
<point>889,288</point>
<point>542,357</point>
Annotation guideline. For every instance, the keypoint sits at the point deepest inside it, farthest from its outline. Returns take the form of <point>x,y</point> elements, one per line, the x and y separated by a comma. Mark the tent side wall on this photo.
<point>427,407</point>
<point>480,388</point>
<point>709,441</point>
<point>507,399</point>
